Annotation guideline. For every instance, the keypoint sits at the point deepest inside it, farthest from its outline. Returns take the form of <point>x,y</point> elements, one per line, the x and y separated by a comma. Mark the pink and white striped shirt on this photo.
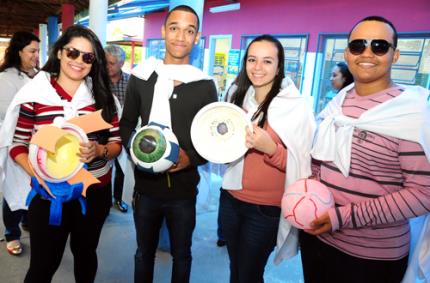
<point>388,183</point>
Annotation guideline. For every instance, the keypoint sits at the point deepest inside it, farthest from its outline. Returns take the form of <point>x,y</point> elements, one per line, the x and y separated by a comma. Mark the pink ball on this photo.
<point>304,201</point>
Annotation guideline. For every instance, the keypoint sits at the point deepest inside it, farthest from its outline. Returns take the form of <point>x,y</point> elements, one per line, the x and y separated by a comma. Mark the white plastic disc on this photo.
<point>218,132</point>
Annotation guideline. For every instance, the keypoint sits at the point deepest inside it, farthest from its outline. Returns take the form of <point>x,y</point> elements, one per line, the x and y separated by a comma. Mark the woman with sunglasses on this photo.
<point>18,68</point>
<point>75,75</point>
<point>279,144</point>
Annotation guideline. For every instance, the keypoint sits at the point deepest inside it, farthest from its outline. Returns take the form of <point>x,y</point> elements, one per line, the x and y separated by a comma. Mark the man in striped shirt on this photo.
<point>380,177</point>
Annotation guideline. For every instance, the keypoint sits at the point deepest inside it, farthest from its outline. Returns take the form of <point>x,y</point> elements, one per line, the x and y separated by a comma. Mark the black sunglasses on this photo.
<point>73,53</point>
<point>379,47</point>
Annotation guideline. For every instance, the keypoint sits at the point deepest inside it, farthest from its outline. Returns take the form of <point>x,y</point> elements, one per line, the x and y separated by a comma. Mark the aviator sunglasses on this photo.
<point>379,47</point>
<point>73,53</point>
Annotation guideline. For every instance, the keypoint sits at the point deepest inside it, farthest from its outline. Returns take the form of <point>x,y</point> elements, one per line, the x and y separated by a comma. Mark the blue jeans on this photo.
<point>250,231</point>
<point>11,220</point>
<point>180,217</point>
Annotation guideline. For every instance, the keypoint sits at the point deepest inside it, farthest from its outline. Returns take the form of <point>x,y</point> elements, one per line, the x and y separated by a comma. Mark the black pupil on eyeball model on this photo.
<point>147,144</point>
<point>222,128</point>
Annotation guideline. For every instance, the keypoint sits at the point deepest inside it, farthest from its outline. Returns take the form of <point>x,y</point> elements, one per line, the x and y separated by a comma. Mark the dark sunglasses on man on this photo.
<point>73,53</point>
<point>379,47</point>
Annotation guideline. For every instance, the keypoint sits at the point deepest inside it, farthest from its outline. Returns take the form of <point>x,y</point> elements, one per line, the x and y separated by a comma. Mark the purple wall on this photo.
<point>303,16</point>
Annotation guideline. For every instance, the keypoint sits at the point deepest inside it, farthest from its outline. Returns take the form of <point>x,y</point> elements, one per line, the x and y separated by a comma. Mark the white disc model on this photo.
<point>218,132</point>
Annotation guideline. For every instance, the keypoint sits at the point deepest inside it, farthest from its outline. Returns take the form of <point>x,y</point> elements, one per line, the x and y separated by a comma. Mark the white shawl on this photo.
<point>291,117</point>
<point>14,181</point>
<point>406,116</point>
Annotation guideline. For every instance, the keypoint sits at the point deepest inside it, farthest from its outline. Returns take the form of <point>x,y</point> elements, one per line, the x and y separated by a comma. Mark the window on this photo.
<point>331,53</point>
<point>413,66</point>
<point>155,47</point>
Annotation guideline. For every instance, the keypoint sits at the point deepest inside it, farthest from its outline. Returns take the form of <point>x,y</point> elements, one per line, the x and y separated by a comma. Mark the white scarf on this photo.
<point>406,116</point>
<point>163,89</point>
<point>291,117</point>
<point>419,251</point>
<point>14,181</point>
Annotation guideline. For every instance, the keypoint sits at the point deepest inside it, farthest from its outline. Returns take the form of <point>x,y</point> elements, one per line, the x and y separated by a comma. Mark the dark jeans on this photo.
<point>250,231</point>
<point>323,263</point>
<point>180,217</point>
<point>11,220</point>
<point>219,231</point>
<point>48,242</point>
<point>118,182</point>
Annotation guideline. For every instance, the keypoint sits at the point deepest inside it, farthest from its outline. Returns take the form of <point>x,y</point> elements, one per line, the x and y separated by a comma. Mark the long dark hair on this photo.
<point>243,82</point>
<point>346,74</point>
<point>18,42</point>
<point>100,81</point>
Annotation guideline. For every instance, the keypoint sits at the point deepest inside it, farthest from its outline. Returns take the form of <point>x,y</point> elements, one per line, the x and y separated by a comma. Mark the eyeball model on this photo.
<point>63,164</point>
<point>154,148</point>
<point>304,201</point>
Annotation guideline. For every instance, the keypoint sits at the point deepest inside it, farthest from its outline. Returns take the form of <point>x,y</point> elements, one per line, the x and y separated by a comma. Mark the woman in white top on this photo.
<point>19,66</point>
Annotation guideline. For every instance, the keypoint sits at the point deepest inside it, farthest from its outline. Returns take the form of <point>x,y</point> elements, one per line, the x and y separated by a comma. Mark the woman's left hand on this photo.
<point>260,140</point>
<point>320,225</point>
<point>88,151</point>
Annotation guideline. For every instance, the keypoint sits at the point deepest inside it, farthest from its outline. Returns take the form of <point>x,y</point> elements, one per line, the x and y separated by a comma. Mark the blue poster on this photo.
<point>233,62</point>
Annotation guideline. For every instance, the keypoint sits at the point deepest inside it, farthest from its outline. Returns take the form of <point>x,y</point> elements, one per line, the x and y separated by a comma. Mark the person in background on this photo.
<point>340,78</point>
<point>169,195</point>
<point>115,57</point>
<point>18,68</point>
<point>73,82</point>
<point>279,144</point>
<point>374,148</point>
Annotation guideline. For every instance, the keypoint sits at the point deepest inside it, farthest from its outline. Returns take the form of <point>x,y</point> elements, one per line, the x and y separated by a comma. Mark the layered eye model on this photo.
<point>63,163</point>
<point>54,148</point>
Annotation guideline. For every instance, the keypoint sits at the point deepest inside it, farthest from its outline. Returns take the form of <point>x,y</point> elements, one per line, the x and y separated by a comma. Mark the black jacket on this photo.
<point>189,99</point>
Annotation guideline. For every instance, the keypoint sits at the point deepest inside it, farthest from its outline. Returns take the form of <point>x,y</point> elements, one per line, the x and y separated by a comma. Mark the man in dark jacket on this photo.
<point>169,195</point>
